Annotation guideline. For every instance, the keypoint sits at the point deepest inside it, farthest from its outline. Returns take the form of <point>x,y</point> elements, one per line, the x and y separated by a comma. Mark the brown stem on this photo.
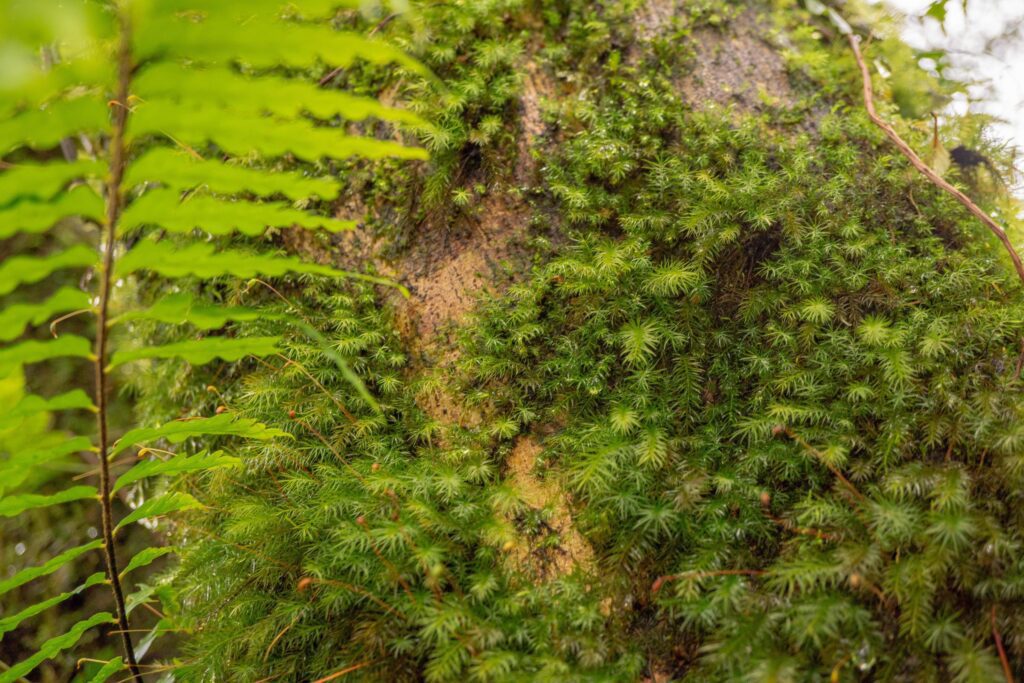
<point>935,178</point>
<point>1003,659</point>
<point>113,212</point>
<point>820,457</point>
<point>347,670</point>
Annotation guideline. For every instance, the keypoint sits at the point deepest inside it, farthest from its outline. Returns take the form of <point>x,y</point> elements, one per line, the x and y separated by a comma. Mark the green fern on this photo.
<point>169,138</point>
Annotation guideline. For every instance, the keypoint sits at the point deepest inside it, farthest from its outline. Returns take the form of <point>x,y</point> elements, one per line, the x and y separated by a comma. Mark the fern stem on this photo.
<point>113,212</point>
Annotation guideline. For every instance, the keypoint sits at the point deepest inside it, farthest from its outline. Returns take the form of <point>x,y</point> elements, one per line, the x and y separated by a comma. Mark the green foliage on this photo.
<point>170,146</point>
<point>775,380</point>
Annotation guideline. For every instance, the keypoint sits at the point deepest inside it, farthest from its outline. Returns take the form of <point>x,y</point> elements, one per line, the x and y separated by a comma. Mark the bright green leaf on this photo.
<point>14,319</point>
<point>20,270</point>
<point>225,424</point>
<point>144,558</point>
<point>161,505</point>
<point>43,181</point>
<point>202,351</point>
<point>44,128</point>
<point>32,351</point>
<point>52,565</point>
<point>291,98</point>
<point>35,217</point>
<point>201,260</point>
<point>219,216</point>
<point>11,506</point>
<point>182,463</point>
<point>179,170</point>
<point>181,308</point>
<point>54,646</point>
<point>8,624</point>
<point>107,670</point>
<point>241,134</point>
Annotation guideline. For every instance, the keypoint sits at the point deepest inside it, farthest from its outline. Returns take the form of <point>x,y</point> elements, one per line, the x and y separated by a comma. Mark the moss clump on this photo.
<point>775,377</point>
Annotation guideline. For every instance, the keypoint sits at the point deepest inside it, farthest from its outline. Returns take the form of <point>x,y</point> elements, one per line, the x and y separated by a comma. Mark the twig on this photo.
<point>820,457</point>
<point>346,671</point>
<point>915,160</point>
<point>1003,659</point>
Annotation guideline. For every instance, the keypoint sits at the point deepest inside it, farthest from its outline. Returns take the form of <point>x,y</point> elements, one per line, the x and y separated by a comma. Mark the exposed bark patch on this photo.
<point>654,17</point>
<point>736,65</point>
<point>572,549</point>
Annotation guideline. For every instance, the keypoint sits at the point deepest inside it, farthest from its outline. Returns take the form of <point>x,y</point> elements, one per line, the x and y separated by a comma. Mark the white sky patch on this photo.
<point>985,48</point>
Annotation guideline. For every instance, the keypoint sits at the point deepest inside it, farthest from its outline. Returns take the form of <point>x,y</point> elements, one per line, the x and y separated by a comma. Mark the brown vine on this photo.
<point>915,160</point>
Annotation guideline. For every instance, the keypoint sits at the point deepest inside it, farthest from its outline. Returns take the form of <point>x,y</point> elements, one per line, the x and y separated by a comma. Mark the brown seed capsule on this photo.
<point>507,546</point>
<point>766,499</point>
<point>855,580</point>
<point>291,414</point>
<point>375,467</point>
<point>221,409</point>
<point>360,520</point>
<point>778,430</point>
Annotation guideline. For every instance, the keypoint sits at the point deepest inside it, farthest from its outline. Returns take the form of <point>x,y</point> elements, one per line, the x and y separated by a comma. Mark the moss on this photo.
<point>773,376</point>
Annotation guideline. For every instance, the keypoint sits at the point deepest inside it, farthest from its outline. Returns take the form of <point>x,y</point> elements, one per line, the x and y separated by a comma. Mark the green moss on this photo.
<point>770,365</point>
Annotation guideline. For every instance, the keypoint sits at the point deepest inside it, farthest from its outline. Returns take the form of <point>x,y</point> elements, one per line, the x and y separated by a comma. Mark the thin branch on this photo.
<point>915,160</point>
<point>1003,659</point>
<point>820,457</point>
<point>346,671</point>
<point>113,213</point>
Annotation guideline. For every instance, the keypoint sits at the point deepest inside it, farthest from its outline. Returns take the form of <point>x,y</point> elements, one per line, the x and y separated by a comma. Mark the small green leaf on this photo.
<point>21,270</point>
<point>11,506</point>
<point>45,128</point>
<point>14,319</point>
<point>52,565</point>
<point>30,405</point>
<point>54,646</point>
<point>43,181</point>
<point>181,308</point>
<point>161,505</point>
<point>32,217</point>
<point>8,624</point>
<point>225,424</point>
<point>243,134</point>
<point>202,351</point>
<point>200,260</point>
<point>19,466</point>
<point>179,464</point>
<point>32,351</point>
<point>179,170</point>
<point>292,97</point>
<point>266,42</point>
<point>219,216</point>
<point>139,597</point>
<point>937,10</point>
<point>144,558</point>
<point>107,670</point>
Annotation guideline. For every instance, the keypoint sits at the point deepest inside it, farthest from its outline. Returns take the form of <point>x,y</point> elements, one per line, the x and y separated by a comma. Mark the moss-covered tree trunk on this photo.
<point>697,379</point>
